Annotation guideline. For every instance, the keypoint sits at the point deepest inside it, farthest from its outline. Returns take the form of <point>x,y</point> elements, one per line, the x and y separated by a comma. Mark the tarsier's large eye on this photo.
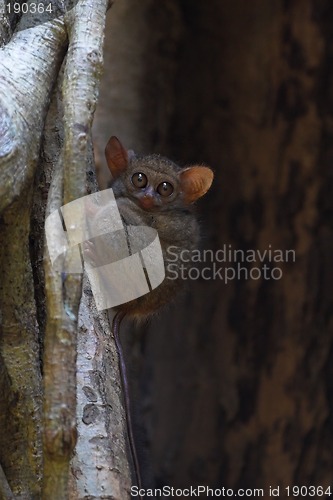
<point>139,180</point>
<point>165,189</point>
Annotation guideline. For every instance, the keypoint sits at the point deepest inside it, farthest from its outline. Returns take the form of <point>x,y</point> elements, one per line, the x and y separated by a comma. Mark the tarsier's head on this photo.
<point>154,182</point>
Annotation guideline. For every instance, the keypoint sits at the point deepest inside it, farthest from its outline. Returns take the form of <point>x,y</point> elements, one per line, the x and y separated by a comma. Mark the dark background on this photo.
<point>233,383</point>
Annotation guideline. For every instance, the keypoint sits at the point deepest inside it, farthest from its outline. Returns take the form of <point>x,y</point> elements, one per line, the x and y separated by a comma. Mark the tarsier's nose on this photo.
<point>147,198</point>
<point>147,201</point>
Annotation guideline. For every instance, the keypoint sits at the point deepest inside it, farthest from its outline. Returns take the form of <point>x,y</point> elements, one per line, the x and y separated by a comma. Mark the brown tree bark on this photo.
<point>235,384</point>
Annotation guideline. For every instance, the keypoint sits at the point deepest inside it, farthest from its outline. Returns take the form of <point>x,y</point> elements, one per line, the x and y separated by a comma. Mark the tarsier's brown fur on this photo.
<point>172,216</point>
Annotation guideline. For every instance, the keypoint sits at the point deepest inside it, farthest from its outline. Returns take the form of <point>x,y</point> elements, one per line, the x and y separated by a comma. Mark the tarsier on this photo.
<point>153,191</point>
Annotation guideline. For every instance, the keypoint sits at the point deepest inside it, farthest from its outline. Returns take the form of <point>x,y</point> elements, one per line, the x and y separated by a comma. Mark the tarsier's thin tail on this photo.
<point>124,381</point>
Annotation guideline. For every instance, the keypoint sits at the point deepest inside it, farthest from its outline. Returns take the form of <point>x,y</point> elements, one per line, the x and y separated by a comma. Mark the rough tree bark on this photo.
<point>236,382</point>
<point>50,66</point>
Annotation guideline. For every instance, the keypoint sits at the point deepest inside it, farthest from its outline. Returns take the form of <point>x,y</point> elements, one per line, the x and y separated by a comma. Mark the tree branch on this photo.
<point>101,421</point>
<point>25,87</point>
<point>85,25</point>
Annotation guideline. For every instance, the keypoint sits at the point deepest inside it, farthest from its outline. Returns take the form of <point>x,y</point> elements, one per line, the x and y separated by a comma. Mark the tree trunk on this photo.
<point>235,383</point>
<point>62,432</point>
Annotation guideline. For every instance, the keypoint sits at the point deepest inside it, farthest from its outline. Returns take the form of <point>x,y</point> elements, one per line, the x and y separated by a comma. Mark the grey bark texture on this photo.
<point>234,382</point>
<point>49,76</point>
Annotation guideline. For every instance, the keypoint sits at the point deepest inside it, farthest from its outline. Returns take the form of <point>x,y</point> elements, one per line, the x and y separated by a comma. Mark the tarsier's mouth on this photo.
<point>147,203</point>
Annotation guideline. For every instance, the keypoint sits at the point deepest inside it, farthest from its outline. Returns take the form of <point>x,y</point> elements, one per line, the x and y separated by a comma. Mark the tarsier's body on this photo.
<point>153,191</point>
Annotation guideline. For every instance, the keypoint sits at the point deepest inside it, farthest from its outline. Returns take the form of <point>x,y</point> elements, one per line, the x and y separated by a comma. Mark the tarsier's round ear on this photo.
<point>116,156</point>
<point>195,182</point>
